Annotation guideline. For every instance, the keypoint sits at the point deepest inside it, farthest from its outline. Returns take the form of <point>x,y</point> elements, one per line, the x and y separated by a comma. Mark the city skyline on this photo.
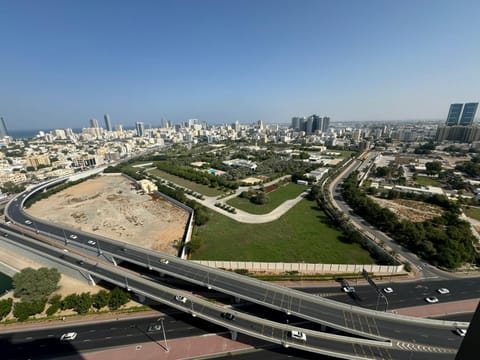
<point>245,61</point>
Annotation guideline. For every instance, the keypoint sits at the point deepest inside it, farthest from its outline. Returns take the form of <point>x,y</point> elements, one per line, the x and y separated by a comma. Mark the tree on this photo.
<point>433,168</point>
<point>84,303</point>
<point>55,303</point>
<point>100,299</point>
<point>31,285</point>
<point>24,309</point>
<point>118,297</point>
<point>5,307</point>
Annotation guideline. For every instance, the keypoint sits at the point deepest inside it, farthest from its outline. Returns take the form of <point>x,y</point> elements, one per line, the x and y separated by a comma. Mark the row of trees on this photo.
<point>445,240</point>
<point>35,287</point>
<point>199,177</point>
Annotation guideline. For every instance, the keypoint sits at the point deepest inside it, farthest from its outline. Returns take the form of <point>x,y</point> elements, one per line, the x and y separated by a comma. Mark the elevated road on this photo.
<point>406,334</point>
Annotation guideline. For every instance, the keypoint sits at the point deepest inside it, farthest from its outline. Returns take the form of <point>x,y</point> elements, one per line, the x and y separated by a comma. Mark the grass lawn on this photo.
<point>202,189</point>
<point>472,212</point>
<point>302,234</point>
<point>426,181</point>
<point>276,198</point>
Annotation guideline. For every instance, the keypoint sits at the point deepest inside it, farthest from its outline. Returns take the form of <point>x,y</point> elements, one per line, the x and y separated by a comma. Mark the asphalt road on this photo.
<point>46,343</point>
<point>424,269</point>
<point>405,294</point>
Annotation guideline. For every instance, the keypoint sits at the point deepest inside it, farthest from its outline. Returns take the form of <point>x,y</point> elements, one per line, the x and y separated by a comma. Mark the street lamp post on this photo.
<point>164,335</point>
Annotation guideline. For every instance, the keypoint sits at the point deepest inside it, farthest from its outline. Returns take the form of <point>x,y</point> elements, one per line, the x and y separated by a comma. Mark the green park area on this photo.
<point>301,235</point>
<point>202,189</point>
<point>472,212</point>
<point>275,198</point>
<point>426,181</point>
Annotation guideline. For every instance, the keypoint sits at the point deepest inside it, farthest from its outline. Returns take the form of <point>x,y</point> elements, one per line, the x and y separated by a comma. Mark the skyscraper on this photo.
<point>93,123</point>
<point>454,114</point>
<point>140,128</point>
<point>108,124</point>
<point>325,124</point>
<point>468,114</point>
<point>3,128</point>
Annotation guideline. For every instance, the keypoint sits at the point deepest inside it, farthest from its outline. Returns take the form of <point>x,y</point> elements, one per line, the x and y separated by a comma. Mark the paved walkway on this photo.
<point>440,309</point>
<point>198,347</point>
<point>243,216</point>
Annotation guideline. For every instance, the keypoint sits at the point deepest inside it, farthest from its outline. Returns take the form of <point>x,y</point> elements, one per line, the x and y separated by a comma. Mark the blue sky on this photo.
<point>63,62</point>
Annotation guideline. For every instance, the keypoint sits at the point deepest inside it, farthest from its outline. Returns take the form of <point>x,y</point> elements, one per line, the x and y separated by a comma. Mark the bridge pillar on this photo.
<point>233,335</point>
<point>323,327</point>
<point>91,279</point>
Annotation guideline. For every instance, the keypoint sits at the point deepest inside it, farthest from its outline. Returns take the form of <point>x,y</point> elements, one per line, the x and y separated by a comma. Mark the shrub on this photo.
<point>5,307</point>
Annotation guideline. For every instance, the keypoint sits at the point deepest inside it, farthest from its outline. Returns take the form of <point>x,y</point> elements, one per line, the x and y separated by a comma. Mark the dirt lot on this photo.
<point>112,207</point>
<point>416,211</point>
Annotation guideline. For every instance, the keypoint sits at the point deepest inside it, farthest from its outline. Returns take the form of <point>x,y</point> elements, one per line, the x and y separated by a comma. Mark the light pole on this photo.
<point>164,335</point>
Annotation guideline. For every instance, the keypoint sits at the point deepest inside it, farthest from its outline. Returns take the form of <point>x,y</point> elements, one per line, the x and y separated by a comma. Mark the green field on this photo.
<point>472,212</point>
<point>301,235</point>
<point>426,181</point>
<point>202,189</point>
<point>276,198</point>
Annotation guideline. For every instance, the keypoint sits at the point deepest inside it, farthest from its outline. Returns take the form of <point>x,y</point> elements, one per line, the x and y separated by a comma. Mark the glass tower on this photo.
<point>108,124</point>
<point>468,113</point>
<point>3,128</point>
<point>454,114</point>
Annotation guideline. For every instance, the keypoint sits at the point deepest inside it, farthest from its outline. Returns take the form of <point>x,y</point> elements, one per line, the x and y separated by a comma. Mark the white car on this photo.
<point>28,222</point>
<point>443,291</point>
<point>73,236</point>
<point>461,332</point>
<point>91,242</point>
<point>295,334</point>
<point>388,290</point>
<point>348,289</point>
<point>431,299</point>
<point>68,336</point>
<point>164,261</point>
<point>181,298</point>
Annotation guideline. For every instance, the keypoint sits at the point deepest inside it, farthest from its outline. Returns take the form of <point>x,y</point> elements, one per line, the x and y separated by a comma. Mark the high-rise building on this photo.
<point>325,124</point>
<point>108,124</point>
<point>3,128</point>
<point>140,128</point>
<point>94,123</point>
<point>295,123</point>
<point>468,113</point>
<point>454,114</point>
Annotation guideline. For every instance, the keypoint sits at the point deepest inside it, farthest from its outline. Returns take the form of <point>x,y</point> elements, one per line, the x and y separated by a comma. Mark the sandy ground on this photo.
<point>109,206</point>
<point>409,209</point>
<point>112,207</point>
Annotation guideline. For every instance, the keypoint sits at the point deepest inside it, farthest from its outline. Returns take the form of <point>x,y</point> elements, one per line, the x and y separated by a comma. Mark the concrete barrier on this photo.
<point>303,268</point>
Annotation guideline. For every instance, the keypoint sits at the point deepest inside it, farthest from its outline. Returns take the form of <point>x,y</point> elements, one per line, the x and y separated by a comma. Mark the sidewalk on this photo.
<point>184,348</point>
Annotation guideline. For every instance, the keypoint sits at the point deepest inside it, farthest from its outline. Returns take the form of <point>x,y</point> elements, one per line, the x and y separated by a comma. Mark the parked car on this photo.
<point>443,291</point>
<point>431,299</point>
<point>181,298</point>
<point>68,336</point>
<point>295,334</point>
<point>28,222</point>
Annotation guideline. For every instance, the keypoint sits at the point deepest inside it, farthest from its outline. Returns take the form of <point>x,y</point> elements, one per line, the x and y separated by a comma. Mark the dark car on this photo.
<point>228,316</point>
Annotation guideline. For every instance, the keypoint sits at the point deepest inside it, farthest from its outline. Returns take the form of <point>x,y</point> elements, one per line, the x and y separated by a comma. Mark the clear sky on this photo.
<point>66,61</point>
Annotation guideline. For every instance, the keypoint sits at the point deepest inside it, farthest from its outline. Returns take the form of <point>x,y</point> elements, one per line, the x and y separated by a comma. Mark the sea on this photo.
<point>28,134</point>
